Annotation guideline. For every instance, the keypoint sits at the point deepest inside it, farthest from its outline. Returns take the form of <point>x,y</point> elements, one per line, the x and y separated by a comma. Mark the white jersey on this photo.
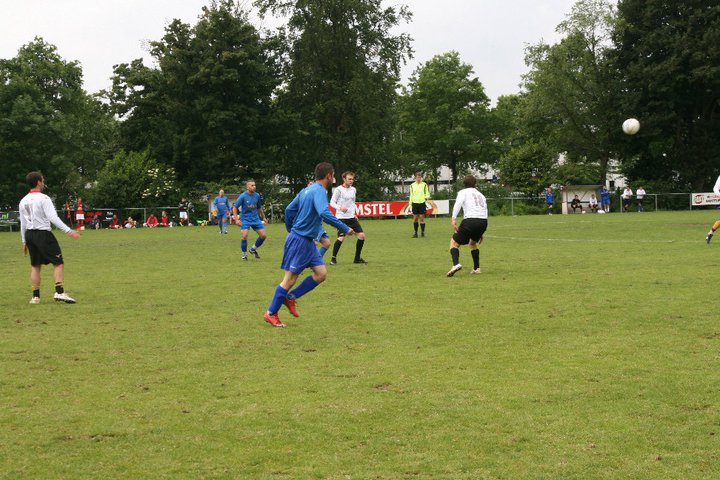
<point>344,197</point>
<point>472,202</point>
<point>37,213</point>
<point>627,193</point>
<point>640,193</point>
<point>716,188</point>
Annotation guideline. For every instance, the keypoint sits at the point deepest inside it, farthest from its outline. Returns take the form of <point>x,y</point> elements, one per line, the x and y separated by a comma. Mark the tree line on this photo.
<point>224,101</point>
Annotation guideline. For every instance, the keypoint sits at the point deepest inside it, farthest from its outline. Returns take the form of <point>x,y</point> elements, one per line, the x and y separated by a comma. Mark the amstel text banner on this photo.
<point>395,208</point>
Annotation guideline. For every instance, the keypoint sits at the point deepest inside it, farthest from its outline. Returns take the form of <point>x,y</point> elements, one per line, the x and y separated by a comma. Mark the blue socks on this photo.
<point>243,245</point>
<point>322,251</point>
<point>308,284</point>
<point>259,241</point>
<point>278,300</point>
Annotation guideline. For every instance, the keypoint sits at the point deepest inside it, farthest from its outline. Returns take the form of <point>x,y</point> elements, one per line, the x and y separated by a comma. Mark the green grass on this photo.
<point>588,348</point>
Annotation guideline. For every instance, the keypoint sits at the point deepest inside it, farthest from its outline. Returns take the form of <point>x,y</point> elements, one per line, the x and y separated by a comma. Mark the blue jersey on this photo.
<point>248,205</point>
<point>221,204</point>
<point>306,212</point>
<point>605,196</point>
<point>549,197</point>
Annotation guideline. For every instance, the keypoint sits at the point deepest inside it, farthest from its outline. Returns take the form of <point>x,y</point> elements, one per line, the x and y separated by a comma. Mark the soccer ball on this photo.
<point>584,212</point>
<point>631,126</point>
<point>601,211</point>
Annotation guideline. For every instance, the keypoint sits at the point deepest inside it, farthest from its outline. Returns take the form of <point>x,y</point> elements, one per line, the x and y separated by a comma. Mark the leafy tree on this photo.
<point>571,99</point>
<point>205,110</point>
<point>669,57</point>
<point>445,117</point>
<point>134,179</point>
<point>48,123</point>
<point>343,67</point>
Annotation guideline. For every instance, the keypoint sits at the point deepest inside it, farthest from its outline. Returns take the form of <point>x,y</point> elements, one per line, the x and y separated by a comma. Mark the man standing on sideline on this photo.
<point>626,198</point>
<point>303,220</point>
<point>37,212</point>
<point>249,207</point>
<point>419,194</point>
<point>473,226</point>
<point>343,201</point>
<point>605,199</point>
<point>221,205</point>
<point>640,196</point>
<point>549,200</point>
<point>183,208</point>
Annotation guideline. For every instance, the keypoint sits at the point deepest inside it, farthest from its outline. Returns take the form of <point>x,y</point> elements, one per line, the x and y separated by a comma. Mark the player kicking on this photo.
<point>343,201</point>
<point>303,220</point>
<point>249,207</point>
<point>473,226</point>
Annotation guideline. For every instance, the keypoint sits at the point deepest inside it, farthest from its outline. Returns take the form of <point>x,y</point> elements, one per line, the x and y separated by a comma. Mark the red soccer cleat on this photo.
<point>291,304</point>
<point>273,319</point>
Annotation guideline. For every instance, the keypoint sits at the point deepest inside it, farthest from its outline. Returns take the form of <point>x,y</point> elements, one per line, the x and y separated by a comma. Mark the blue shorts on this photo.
<point>222,216</point>
<point>300,253</point>
<point>254,224</point>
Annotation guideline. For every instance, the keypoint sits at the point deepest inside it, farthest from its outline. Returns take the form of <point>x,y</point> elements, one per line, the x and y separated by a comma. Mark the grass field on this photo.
<point>588,348</point>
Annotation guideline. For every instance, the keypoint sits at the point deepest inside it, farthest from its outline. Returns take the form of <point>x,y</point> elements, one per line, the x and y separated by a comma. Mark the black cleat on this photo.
<point>414,235</point>
<point>708,238</point>
<point>254,252</point>
<point>360,260</point>
<point>333,261</point>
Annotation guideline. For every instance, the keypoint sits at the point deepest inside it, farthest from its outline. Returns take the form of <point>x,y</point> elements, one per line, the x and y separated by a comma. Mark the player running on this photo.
<point>343,201</point>
<point>303,220</point>
<point>249,207</point>
<point>473,226</point>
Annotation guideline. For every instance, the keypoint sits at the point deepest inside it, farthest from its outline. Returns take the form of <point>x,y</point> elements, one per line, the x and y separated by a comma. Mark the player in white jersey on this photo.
<point>37,213</point>
<point>716,225</point>
<point>343,201</point>
<point>473,226</point>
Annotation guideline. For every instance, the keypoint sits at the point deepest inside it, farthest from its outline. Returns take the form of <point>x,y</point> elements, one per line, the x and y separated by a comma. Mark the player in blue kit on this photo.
<point>221,205</point>
<point>303,220</point>
<point>249,207</point>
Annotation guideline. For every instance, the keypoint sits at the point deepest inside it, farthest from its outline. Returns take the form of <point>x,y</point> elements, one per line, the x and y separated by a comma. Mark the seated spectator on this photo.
<point>96,222</point>
<point>575,204</point>
<point>164,221</point>
<point>593,204</point>
<point>151,222</point>
<point>130,223</point>
<point>115,223</point>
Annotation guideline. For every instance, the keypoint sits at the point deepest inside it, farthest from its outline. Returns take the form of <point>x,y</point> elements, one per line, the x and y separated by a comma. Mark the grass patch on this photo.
<point>587,348</point>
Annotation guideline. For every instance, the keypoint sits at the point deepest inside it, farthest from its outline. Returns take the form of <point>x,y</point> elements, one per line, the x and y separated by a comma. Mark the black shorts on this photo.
<point>43,247</point>
<point>419,208</point>
<point>352,223</point>
<point>470,229</point>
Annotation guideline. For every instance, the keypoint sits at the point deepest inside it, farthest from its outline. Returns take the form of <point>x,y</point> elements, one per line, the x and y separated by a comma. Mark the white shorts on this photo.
<point>79,216</point>
<point>183,215</point>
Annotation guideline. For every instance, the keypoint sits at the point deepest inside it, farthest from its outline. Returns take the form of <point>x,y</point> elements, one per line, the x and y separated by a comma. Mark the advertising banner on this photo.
<point>700,199</point>
<point>397,208</point>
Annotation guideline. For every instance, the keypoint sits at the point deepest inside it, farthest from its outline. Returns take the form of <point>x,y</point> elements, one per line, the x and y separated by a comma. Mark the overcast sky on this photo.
<point>490,35</point>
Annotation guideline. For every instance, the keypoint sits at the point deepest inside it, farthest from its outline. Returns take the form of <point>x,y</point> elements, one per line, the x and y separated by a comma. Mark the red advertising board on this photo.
<point>384,209</point>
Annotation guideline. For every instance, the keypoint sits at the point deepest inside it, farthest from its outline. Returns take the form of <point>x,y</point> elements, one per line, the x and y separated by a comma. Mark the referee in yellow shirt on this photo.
<point>419,193</point>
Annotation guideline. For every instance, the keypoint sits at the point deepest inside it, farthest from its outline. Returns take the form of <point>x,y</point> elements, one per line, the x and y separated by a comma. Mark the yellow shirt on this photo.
<point>419,192</point>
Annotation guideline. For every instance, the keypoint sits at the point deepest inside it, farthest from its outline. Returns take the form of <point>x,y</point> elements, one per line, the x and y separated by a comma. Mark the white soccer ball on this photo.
<point>631,126</point>
<point>601,211</point>
<point>584,212</point>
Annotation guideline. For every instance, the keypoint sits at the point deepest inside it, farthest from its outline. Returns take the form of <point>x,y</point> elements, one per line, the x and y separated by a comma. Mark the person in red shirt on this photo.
<point>115,223</point>
<point>164,222</point>
<point>152,221</point>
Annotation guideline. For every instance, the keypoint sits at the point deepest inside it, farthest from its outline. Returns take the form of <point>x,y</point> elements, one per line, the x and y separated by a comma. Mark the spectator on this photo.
<point>640,196</point>
<point>575,204</point>
<point>164,221</point>
<point>605,199</point>
<point>151,221</point>
<point>130,223</point>
<point>115,223</point>
<point>593,204</point>
<point>626,198</point>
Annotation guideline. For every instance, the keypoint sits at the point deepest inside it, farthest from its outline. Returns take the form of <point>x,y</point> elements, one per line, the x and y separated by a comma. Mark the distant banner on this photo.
<point>393,209</point>
<point>700,199</point>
